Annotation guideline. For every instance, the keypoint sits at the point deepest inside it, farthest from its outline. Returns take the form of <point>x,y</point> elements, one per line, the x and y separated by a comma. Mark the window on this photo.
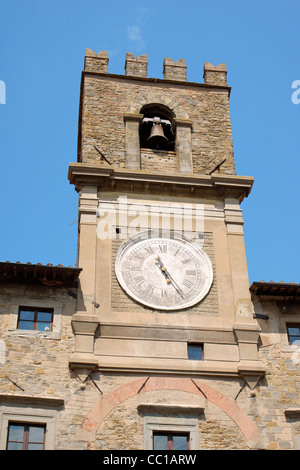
<point>171,426</point>
<point>293,330</point>
<point>28,423</point>
<point>38,319</point>
<point>26,436</point>
<point>157,129</point>
<point>171,441</point>
<point>195,351</point>
<point>293,417</point>
<point>45,319</point>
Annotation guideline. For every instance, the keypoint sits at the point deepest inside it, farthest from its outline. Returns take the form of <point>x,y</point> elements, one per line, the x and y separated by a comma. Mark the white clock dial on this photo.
<point>165,273</point>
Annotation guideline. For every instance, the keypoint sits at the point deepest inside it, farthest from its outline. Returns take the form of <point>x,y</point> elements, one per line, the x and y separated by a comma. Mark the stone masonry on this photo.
<point>111,372</point>
<point>205,107</point>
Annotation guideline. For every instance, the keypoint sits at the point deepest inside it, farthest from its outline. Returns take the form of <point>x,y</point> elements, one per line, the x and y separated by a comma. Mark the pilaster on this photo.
<point>88,203</point>
<point>184,145</point>
<point>85,321</point>
<point>133,152</point>
<point>237,253</point>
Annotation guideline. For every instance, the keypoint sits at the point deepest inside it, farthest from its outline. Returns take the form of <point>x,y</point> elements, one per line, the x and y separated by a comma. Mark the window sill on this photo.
<point>35,334</point>
<point>161,152</point>
<point>31,400</point>
<point>290,348</point>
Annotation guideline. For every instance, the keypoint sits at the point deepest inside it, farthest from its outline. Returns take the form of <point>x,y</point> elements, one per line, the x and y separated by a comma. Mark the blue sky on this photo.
<point>42,47</point>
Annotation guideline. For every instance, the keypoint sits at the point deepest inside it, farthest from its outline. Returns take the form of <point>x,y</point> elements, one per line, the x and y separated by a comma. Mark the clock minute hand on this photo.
<point>168,275</point>
<point>175,285</point>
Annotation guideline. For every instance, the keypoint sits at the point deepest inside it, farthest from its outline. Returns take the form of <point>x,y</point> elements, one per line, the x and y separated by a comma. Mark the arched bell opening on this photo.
<point>157,128</point>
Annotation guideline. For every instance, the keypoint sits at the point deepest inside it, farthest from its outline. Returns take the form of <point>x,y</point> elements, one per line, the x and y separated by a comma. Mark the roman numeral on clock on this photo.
<point>136,268</point>
<point>187,283</point>
<point>149,289</point>
<point>139,280</point>
<point>186,261</point>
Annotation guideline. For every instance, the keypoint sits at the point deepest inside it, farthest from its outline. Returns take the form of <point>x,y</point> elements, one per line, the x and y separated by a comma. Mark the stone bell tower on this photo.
<point>160,238</point>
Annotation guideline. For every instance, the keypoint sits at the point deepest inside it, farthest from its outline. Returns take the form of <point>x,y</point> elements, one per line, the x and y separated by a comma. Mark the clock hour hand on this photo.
<point>168,276</point>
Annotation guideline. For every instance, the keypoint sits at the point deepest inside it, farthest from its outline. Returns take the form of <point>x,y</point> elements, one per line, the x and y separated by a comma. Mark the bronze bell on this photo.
<point>157,138</point>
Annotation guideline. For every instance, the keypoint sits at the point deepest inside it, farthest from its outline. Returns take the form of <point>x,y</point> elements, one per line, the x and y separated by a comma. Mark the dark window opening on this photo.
<point>26,436</point>
<point>293,330</point>
<point>171,441</point>
<point>195,351</point>
<point>157,131</point>
<point>39,319</point>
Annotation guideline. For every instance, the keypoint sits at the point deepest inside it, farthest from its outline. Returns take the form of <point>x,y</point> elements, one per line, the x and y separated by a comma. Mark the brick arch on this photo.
<point>143,99</point>
<point>104,406</point>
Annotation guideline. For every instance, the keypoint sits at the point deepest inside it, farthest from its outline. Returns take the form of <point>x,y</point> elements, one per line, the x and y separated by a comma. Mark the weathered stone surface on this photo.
<point>106,102</point>
<point>62,376</point>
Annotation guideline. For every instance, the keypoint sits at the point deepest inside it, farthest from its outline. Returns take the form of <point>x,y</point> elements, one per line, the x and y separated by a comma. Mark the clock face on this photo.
<point>163,272</point>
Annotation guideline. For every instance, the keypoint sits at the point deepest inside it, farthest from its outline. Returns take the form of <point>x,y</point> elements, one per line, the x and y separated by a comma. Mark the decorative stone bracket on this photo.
<point>250,368</point>
<point>84,327</point>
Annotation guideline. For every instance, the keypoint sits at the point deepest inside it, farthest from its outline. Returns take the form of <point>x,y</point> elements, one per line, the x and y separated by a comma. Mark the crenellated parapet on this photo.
<point>174,70</point>
<point>137,67</point>
<point>96,62</point>
<point>215,75</point>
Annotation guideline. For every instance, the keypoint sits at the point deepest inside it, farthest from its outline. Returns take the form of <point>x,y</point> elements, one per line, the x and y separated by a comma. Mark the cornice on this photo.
<point>47,275</point>
<point>7,398</point>
<point>158,81</point>
<point>228,186</point>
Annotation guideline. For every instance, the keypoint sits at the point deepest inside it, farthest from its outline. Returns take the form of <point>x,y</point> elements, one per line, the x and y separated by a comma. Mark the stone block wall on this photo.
<point>37,367</point>
<point>158,160</point>
<point>107,99</point>
<point>124,427</point>
<point>34,367</point>
<point>277,405</point>
<point>37,362</point>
